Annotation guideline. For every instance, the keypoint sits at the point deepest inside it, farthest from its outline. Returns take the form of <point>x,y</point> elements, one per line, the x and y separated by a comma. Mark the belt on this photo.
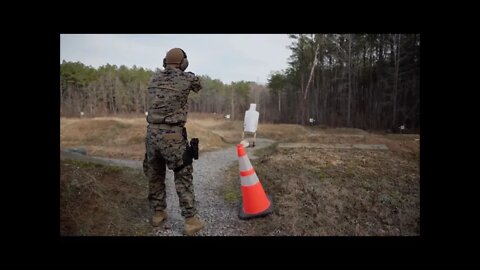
<point>167,126</point>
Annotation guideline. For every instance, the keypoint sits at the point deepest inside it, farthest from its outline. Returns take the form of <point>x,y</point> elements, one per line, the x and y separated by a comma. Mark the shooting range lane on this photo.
<point>221,218</point>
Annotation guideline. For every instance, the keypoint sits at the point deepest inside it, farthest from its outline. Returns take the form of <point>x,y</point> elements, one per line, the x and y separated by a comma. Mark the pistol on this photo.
<point>194,147</point>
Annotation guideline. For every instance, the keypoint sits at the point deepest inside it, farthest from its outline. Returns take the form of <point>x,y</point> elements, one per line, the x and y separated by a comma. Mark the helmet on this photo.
<point>176,56</point>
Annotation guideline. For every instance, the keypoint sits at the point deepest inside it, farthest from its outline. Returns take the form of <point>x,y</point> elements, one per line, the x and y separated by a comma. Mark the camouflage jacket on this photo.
<point>167,97</point>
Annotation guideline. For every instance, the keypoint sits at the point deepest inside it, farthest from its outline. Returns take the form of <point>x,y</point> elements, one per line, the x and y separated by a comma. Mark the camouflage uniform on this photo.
<point>166,140</point>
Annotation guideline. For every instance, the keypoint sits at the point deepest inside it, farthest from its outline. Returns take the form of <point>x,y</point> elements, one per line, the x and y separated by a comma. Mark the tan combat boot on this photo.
<point>192,225</point>
<point>158,218</point>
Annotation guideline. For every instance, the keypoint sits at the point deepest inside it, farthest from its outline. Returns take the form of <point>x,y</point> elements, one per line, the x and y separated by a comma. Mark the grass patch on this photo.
<point>266,151</point>
<point>102,200</point>
<point>230,189</point>
<point>317,192</point>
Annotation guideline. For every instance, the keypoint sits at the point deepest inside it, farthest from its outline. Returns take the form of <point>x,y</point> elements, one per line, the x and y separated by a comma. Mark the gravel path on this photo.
<point>220,217</point>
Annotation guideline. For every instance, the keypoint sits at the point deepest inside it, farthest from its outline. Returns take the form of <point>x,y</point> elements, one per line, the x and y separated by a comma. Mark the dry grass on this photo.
<point>124,137</point>
<point>102,200</point>
<point>338,192</point>
<point>116,137</point>
<point>231,131</point>
<point>281,132</point>
<point>315,191</point>
<point>407,146</point>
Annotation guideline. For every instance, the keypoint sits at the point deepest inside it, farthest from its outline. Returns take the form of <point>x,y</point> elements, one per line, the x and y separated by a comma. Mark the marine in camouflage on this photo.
<point>166,140</point>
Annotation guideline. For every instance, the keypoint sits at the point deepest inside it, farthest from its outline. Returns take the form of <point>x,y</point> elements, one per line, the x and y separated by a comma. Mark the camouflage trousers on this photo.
<point>167,147</point>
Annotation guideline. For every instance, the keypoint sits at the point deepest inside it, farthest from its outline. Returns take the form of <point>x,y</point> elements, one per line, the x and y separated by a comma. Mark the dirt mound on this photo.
<point>102,200</point>
<point>101,131</point>
<point>281,131</point>
<point>352,131</point>
<point>125,138</point>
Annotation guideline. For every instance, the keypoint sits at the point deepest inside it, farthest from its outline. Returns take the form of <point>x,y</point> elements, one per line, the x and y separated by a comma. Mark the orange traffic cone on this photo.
<point>255,202</point>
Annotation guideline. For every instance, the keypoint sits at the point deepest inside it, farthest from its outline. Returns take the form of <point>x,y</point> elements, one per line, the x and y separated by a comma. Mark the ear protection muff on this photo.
<point>184,63</point>
<point>164,62</point>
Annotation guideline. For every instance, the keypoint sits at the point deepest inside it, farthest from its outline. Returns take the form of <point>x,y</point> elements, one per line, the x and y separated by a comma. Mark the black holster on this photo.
<point>194,147</point>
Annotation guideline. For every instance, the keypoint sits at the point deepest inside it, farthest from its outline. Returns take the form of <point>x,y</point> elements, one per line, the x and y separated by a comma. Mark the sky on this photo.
<point>228,57</point>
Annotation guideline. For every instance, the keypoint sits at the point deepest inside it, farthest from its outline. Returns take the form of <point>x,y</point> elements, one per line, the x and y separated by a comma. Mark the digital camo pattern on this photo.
<point>168,96</point>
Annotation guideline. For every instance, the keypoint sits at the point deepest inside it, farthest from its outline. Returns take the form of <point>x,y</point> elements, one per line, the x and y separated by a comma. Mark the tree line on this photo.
<point>102,91</point>
<point>111,90</point>
<point>368,81</point>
